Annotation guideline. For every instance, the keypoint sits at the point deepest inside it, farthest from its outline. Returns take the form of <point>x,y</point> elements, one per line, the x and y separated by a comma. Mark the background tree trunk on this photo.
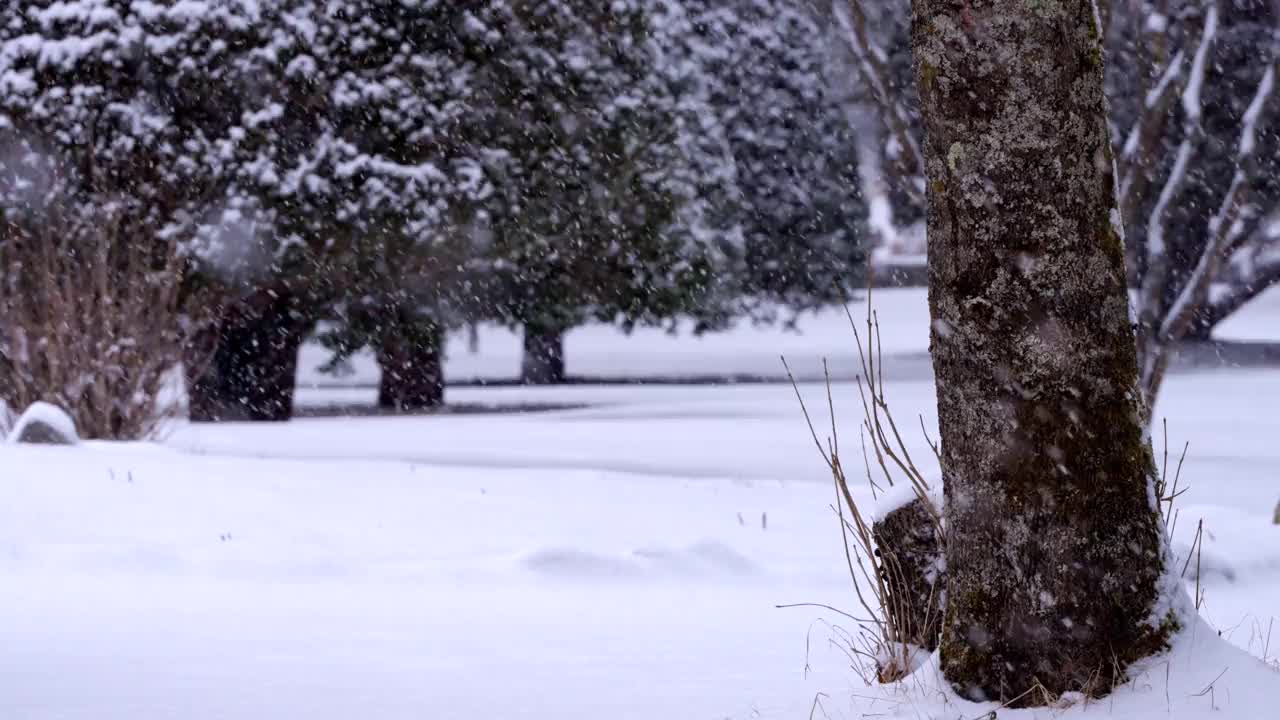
<point>205,397</point>
<point>412,369</point>
<point>543,362</point>
<point>1053,550</point>
<point>269,366</point>
<point>252,372</point>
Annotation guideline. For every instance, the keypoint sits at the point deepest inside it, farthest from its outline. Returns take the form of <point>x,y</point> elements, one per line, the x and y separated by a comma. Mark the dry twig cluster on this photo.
<point>896,572</point>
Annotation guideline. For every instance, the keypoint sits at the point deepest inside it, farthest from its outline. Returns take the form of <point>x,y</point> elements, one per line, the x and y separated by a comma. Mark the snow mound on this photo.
<point>580,563</point>
<point>707,559</point>
<point>903,494</point>
<point>44,424</point>
<point>1201,676</point>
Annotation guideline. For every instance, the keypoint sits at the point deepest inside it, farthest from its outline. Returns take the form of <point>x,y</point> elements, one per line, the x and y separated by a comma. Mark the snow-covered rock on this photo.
<point>45,424</point>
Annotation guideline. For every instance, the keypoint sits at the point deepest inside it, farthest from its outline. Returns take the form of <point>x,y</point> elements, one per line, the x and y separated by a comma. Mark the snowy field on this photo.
<point>601,351</point>
<point>619,558</point>
<point>752,352</point>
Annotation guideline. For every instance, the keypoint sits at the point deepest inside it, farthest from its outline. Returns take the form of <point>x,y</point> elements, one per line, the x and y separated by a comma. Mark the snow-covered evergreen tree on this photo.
<point>762,71</point>
<point>128,96</point>
<point>404,103</point>
<point>705,175</point>
<point>581,132</point>
<point>353,159</point>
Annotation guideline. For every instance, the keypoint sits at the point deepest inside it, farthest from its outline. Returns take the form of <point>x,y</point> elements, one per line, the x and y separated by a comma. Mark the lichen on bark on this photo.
<point>1054,556</point>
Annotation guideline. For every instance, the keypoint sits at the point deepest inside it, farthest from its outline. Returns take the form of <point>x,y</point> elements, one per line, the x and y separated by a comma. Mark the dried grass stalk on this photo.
<point>898,593</point>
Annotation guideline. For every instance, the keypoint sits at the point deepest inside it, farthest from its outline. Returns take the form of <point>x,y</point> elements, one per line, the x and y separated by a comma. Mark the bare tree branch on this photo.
<point>1224,229</point>
<point>1176,58</point>
<point>1151,291</point>
<point>1138,155</point>
<point>1258,268</point>
<point>871,66</point>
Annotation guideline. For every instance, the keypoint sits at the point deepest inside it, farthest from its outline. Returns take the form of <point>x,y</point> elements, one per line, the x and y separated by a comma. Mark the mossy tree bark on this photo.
<point>1054,557</point>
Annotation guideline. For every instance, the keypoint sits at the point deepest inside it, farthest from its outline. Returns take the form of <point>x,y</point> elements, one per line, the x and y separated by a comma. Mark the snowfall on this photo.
<point>610,551</point>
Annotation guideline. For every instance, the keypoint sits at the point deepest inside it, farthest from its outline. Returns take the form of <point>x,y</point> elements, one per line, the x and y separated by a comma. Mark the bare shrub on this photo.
<point>90,315</point>
<point>894,561</point>
<point>894,552</point>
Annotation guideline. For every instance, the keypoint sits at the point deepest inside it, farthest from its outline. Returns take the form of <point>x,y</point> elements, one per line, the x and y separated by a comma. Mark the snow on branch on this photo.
<point>1253,267</point>
<point>1249,132</point>
<point>1172,72</point>
<point>1191,101</point>
<point>1146,130</point>
<point>1154,320</point>
<point>1193,133</point>
<point>1224,227</point>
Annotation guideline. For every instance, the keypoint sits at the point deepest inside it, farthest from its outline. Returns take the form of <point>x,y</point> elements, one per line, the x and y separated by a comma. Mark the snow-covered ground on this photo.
<point>618,558</point>
<point>601,351</point>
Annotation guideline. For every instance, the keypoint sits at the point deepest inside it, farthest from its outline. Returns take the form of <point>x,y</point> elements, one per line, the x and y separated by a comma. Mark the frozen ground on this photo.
<point>616,560</point>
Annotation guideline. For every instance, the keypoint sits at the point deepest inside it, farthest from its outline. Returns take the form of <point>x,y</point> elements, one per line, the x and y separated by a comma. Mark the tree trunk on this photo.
<point>1054,557</point>
<point>250,372</point>
<point>412,370</point>
<point>271,361</point>
<point>543,362</point>
<point>204,396</point>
